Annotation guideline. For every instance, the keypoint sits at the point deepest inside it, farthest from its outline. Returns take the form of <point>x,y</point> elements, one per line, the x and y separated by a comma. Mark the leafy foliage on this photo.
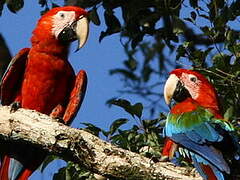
<point>5,56</point>
<point>15,5</point>
<point>73,171</point>
<point>135,109</point>
<point>159,35</point>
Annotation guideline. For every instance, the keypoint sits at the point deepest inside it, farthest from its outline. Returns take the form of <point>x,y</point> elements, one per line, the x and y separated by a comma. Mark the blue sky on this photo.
<point>95,58</point>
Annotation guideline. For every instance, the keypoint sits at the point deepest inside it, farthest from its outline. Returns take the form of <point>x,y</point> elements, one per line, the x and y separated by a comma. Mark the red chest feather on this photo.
<point>47,82</point>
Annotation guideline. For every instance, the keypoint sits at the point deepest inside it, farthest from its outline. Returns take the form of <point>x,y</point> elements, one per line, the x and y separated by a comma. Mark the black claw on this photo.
<point>164,159</point>
<point>59,119</point>
<point>14,106</point>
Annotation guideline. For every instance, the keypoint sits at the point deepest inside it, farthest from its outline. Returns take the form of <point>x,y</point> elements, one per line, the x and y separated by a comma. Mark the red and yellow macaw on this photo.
<point>196,127</point>
<point>42,79</point>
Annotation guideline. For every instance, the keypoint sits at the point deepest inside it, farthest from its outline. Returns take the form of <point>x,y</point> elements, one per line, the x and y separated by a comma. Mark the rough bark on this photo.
<point>84,148</point>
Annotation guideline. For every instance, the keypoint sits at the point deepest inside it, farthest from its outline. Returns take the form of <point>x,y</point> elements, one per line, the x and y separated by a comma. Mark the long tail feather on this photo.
<point>209,172</point>
<point>12,169</point>
<point>19,163</point>
<point>167,147</point>
<point>4,168</point>
<point>26,173</point>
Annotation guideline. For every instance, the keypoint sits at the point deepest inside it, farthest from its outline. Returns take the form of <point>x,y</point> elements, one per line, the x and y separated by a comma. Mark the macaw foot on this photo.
<point>164,159</point>
<point>57,113</point>
<point>58,119</point>
<point>14,106</point>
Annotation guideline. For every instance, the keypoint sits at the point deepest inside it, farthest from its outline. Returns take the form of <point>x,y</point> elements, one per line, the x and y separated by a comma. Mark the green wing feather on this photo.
<point>201,121</point>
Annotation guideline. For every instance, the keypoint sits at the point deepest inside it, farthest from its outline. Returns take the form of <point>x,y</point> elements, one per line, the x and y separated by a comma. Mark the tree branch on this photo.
<point>81,147</point>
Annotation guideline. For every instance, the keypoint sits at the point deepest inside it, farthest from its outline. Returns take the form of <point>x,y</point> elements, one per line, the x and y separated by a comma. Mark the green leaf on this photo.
<point>105,133</point>
<point>120,102</point>
<point>135,109</point>
<point>229,113</point>
<point>15,5</point>
<point>181,51</point>
<point>116,124</point>
<point>44,11</point>
<point>231,36</point>
<point>2,2</point>
<point>207,31</point>
<point>178,25</point>
<point>220,3</point>
<point>204,16</point>
<point>61,175</point>
<point>42,2</point>
<point>131,64</point>
<point>194,3</point>
<point>104,34</point>
<point>92,129</point>
<point>54,5</point>
<point>199,57</point>
<point>112,21</point>
<point>113,24</point>
<point>193,15</point>
<point>84,176</point>
<point>189,19</point>
<point>148,123</point>
<point>147,71</point>
<point>221,61</point>
<point>47,161</point>
<point>93,16</point>
<point>136,40</point>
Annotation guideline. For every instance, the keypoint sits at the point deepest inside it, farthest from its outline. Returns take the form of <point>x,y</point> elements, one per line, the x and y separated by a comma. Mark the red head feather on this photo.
<point>44,38</point>
<point>201,90</point>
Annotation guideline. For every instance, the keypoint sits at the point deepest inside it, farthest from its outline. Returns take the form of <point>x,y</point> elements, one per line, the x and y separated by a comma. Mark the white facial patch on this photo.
<point>170,87</point>
<point>61,20</point>
<point>191,83</point>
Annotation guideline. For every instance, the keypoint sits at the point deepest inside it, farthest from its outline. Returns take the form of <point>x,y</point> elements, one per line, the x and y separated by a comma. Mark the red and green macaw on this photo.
<point>42,79</point>
<point>196,128</point>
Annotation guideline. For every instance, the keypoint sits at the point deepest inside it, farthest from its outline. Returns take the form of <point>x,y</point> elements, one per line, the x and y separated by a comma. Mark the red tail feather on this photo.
<point>4,168</point>
<point>169,148</point>
<point>209,172</point>
<point>26,173</point>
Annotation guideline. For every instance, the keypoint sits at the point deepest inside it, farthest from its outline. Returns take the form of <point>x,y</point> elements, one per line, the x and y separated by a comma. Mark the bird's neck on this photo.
<point>210,101</point>
<point>50,46</point>
<point>189,105</point>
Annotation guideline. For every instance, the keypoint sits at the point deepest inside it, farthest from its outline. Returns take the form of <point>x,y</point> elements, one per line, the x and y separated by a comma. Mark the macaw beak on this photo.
<point>175,90</point>
<point>170,87</point>
<point>82,30</point>
<point>78,30</point>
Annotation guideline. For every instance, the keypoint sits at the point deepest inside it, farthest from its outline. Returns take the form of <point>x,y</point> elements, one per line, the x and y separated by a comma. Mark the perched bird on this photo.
<point>42,79</point>
<point>196,127</point>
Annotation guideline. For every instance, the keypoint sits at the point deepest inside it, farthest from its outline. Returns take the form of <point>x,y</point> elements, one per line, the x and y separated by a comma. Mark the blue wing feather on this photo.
<point>198,132</point>
<point>198,160</point>
<point>15,167</point>
<point>207,152</point>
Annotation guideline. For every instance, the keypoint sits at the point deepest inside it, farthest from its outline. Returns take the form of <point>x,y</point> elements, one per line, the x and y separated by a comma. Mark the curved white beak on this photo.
<point>82,30</point>
<point>170,87</point>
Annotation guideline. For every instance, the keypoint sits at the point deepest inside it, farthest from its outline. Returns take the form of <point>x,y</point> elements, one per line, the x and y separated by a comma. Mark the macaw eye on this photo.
<point>61,15</point>
<point>193,78</point>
